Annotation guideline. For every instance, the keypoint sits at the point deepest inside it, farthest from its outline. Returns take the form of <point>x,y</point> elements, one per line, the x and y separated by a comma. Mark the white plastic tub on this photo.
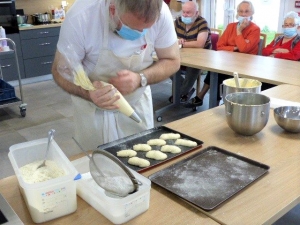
<point>117,210</point>
<point>49,199</point>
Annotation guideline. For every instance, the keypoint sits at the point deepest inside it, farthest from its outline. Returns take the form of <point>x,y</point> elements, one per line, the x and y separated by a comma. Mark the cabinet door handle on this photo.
<point>44,63</point>
<point>44,32</point>
<point>8,65</point>
<point>46,43</point>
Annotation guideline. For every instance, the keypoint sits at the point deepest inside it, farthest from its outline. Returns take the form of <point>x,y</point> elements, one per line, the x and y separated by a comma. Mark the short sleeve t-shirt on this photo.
<point>200,25</point>
<point>83,32</point>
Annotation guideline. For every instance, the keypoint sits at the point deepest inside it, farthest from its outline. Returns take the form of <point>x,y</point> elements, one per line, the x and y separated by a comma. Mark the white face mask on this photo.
<point>241,19</point>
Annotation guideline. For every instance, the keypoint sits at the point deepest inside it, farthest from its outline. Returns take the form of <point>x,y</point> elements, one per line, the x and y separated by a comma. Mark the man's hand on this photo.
<point>126,81</point>
<point>242,26</point>
<point>104,96</point>
<point>181,41</point>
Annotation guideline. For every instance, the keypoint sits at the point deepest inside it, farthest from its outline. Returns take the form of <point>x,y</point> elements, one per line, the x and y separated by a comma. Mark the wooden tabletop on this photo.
<point>266,69</point>
<point>263,202</point>
<point>276,193</point>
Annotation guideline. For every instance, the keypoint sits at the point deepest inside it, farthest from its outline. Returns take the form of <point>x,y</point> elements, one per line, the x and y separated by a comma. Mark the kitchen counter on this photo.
<point>40,26</point>
<point>263,202</point>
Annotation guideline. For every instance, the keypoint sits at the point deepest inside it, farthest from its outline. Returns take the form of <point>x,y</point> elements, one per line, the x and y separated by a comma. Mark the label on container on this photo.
<point>54,198</point>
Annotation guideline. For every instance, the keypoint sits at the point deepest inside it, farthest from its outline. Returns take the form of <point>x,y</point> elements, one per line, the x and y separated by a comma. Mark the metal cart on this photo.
<point>8,91</point>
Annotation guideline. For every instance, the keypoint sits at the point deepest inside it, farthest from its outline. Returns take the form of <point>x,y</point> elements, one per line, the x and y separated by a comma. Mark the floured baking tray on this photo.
<point>142,138</point>
<point>210,177</point>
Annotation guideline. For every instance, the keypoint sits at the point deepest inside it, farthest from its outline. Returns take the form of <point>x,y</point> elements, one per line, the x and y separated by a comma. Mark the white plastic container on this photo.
<point>49,199</point>
<point>117,210</point>
<point>3,35</point>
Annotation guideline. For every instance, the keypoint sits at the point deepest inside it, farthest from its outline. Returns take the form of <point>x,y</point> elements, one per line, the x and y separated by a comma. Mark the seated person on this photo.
<point>242,36</point>
<point>286,46</point>
<point>192,32</point>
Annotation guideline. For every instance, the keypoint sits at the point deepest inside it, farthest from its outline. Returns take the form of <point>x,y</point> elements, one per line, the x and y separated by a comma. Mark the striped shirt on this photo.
<point>200,25</point>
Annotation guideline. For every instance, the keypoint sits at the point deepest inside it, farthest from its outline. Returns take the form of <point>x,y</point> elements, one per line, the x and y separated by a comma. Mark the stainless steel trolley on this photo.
<point>13,99</point>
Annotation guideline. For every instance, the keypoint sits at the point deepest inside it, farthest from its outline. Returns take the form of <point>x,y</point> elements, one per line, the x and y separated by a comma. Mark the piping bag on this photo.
<point>81,79</point>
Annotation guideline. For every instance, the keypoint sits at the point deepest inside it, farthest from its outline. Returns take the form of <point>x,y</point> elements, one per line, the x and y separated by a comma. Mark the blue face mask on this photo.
<point>289,31</point>
<point>187,20</point>
<point>130,34</point>
<point>241,19</point>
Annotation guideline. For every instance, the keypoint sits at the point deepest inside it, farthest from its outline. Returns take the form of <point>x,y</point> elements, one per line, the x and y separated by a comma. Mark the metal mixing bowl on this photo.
<point>288,118</point>
<point>247,113</point>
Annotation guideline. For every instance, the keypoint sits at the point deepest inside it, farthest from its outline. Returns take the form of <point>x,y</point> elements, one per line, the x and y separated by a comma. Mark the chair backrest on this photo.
<point>214,39</point>
<point>278,34</point>
<point>216,31</point>
<point>262,43</point>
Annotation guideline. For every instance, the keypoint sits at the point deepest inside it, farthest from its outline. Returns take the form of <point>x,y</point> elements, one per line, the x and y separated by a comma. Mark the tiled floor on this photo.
<point>51,108</point>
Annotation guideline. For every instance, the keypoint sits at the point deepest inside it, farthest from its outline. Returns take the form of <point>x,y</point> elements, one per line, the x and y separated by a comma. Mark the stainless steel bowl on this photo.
<point>288,118</point>
<point>246,85</point>
<point>247,113</point>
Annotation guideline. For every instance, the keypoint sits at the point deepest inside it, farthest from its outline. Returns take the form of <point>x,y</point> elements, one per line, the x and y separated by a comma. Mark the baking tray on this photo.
<point>210,177</point>
<point>142,138</point>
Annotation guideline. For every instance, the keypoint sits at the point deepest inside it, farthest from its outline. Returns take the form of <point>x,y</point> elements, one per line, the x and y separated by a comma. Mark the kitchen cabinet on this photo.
<point>8,62</point>
<point>38,49</point>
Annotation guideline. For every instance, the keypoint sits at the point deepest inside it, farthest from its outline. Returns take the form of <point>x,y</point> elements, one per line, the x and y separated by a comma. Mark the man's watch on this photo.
<point>143,80</point>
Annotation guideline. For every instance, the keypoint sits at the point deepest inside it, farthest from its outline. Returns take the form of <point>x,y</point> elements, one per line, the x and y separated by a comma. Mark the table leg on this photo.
<point>176,97</point>
<point>213,90</point>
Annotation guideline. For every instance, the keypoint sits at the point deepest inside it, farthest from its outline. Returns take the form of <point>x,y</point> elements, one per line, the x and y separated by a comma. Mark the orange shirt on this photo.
<point>247,42</point>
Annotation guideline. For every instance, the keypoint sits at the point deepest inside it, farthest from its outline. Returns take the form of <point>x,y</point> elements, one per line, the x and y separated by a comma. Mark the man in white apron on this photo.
<point>114,41</point>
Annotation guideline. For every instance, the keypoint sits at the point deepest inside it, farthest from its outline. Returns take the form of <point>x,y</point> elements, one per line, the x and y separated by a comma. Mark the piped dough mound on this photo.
<point>185,142</point>
<point>170,148</point>
<point>142,147</point>
<point>136,161</point>
<point>157,155</point>
<point>168,136</point>
<point>126,153</point>
<point>158,142</point>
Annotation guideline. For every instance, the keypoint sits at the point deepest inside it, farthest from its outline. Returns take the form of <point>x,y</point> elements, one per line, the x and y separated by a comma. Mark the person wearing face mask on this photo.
<point>286,46</point>
<point>242,36</point>
<point>114,40</point>
<point>192,32</point>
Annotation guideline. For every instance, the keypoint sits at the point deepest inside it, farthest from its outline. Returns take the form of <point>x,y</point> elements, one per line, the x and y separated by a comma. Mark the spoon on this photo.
<point>236,78</point>
<point>50,137</point>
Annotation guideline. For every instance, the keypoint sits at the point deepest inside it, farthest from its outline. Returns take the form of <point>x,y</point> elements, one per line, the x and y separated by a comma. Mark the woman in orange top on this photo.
<point>286,46</point>
<point>242,36</point>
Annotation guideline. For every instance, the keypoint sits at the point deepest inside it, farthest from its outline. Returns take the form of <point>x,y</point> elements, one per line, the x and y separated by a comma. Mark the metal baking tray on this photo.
<point>210,177</point>
<point>142,138</point>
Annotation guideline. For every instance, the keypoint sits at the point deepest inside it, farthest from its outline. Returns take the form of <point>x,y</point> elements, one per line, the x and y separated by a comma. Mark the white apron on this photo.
<point>95,126</point>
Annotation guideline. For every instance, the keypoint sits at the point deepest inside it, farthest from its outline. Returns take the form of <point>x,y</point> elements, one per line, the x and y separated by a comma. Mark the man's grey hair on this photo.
<point>292,15</point>
<point>146,10</point>
<point>194,3</point>
<point>249,2</point>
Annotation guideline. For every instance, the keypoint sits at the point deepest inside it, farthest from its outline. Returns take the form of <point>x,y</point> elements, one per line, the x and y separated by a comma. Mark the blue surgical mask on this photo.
<point>130,34</point>
<point>289,31</point>
<point>187,20</point>
<point>241,19</point>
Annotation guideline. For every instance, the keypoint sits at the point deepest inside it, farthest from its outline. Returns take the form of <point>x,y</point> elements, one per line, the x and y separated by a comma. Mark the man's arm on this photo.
<point>167,64</point>
<point>59,67</point>
<point>199,43</point>
<point>103,96</point>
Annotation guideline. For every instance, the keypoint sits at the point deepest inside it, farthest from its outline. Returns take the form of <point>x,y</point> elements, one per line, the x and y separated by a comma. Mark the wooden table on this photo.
<point>263,202</point>
<point>164,208</point>
<point>265,69</point>
<point>269,198</point>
